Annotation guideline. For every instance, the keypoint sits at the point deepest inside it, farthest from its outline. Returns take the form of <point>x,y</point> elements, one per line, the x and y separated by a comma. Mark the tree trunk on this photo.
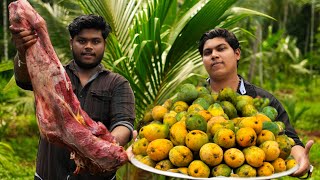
<point>5,28</point>
<point>311,34</point>
<point>255,51</point>
<point>260,57</point>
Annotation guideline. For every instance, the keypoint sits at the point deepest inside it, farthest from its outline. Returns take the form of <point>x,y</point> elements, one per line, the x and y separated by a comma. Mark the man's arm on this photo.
<point>22,39</point>
<point>123,111</point>
<point>21,70</point>
<point>122,134</point>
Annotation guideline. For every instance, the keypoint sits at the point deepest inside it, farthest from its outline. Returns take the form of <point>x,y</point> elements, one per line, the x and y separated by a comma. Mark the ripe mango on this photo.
<point>140,146</point>
<point>233,157</point>
<point>216,109</point>
<point>159,149</point>
<point>254,156</point>
<point>154,131</point>
<point>252,122</point>
<point>246,137</point>
<point>211,154</point>
<point>158,112</point>
<point>271,149</point>
<point>195,139</point>
<point>180,156</point>
<point>178,133</point>
<point>225,138</point>
<point>198,168</point>
<point>265,170</point>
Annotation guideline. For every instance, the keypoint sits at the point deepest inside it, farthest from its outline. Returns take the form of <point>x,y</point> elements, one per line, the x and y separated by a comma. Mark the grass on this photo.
<point>22,165</point>
<point>311,118</point>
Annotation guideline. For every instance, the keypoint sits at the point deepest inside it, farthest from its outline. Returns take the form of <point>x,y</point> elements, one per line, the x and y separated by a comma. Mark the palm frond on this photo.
<point>9,85</point>
<point>300,67</point>
<point>155,49</point>
<point>6,65</point>
<point>58,16</point>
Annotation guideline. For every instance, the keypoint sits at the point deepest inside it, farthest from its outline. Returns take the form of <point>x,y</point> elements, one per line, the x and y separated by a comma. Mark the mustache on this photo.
<point>88,53</point>
<point>216,62</point>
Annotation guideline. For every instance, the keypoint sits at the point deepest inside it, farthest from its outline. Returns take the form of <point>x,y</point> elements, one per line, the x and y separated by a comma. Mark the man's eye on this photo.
<point>96,41</point>
<point>220,48</point>
<point>81,41</point>
<point>206,53</point>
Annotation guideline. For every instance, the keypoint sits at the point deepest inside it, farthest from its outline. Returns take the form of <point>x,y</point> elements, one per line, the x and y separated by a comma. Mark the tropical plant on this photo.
<point>281,60</point>
<point>294,113</point>
<point>154,43</point>
<point>6,153</point>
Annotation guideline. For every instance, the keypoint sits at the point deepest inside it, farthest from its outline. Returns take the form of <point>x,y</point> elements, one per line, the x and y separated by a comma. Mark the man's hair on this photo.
<point>219,32</point>
<point>90,21</point>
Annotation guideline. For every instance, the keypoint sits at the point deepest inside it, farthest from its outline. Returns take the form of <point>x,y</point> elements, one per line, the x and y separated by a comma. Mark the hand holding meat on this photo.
<point>60,117</point>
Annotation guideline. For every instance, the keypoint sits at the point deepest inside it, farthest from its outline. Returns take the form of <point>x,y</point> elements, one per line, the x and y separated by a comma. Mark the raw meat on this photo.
<point>60,117</point>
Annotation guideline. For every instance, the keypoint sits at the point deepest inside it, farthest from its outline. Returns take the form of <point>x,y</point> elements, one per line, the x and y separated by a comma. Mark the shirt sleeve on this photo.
<point>25,86</point>
<point>283,116</point>
<point>122,105</point>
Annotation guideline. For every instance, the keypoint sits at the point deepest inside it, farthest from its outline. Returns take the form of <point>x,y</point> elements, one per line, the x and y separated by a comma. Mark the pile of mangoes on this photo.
<point>205,134</point>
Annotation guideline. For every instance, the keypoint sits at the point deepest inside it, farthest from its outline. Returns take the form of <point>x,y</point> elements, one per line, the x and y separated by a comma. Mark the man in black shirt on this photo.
<point>220,52</point>
<point>105,96</point>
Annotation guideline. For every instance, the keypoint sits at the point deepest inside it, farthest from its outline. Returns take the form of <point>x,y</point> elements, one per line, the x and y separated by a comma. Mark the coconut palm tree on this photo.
<point>154,43</point>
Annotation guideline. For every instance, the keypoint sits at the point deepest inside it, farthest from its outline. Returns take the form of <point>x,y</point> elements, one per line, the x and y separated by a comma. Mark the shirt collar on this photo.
<point>72,66</point>
<point>242,88</point>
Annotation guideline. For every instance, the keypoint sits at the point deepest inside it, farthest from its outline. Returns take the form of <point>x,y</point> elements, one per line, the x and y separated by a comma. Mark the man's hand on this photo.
<point>129,149</point>
<point>301,155</point>
<point>22,39</point>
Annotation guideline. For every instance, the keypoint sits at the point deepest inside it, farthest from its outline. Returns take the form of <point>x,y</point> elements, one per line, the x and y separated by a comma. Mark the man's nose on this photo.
<point>214,54</point>
<point>88,45</point>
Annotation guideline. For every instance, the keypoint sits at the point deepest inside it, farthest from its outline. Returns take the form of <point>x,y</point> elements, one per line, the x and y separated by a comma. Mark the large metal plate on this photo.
<point>140,165</point>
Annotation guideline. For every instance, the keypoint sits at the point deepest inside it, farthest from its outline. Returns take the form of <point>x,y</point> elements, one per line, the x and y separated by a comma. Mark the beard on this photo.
<point>83,65</point>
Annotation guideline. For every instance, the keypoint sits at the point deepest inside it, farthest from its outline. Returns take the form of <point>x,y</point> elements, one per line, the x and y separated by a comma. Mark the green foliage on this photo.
<point>21,160</point>
<point>281,50</point>
<point>5,156</point>
<point>311,119</point>
<point>294,113</point>
<point>306,100</point>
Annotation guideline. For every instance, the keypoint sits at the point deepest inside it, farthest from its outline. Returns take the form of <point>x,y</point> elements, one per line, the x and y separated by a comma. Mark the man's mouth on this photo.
<point>87,54</point>
<point>216,63</point>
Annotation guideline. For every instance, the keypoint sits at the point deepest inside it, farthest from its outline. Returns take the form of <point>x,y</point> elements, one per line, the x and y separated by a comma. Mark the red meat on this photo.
<point>59,115</point>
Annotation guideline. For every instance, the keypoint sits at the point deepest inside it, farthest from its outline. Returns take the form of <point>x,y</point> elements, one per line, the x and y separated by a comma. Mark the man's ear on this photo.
<point>70,43</point>
<point>238,53</point>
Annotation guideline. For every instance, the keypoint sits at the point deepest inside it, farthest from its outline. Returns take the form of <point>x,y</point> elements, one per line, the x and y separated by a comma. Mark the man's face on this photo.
<point>219,59</point>
<point>88,48</point>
